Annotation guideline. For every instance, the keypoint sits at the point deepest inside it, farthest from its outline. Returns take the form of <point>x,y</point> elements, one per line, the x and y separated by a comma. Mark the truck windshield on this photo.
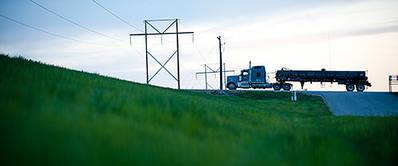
<point>244,76</point>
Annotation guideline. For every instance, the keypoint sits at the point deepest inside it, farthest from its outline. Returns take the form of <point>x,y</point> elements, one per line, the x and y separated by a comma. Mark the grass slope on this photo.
<point>51,115</point>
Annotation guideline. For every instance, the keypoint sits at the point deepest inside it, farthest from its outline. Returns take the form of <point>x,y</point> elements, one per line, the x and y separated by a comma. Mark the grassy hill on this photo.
<point>55,116</point>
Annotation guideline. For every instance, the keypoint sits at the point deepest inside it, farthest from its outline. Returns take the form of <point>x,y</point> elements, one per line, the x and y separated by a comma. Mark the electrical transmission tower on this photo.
<point>211,71</point>
<point>164,32</point>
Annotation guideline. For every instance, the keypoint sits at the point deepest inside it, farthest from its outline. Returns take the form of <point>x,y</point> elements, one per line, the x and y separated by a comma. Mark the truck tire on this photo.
<point>360,87</point>
<point>286,87</point>
<point>277,86</point>
<point>350,87</point>
<point>231,86</point>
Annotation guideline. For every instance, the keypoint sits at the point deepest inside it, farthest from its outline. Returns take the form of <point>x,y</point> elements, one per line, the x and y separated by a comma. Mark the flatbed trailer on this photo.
<point>352,79</point>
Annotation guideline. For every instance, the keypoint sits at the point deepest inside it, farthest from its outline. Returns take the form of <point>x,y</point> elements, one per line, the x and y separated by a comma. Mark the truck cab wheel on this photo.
<point>286,87</point>
<point>360,87</point>
<point>350,87</point>
<point>231,86</point>
<point>277,87</point>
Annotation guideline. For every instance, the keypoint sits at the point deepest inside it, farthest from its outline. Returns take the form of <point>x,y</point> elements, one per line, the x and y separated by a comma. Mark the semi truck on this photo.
<point>256,78</point>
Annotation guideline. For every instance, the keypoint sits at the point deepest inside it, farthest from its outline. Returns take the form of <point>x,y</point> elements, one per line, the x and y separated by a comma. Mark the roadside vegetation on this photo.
<point>55,116</point>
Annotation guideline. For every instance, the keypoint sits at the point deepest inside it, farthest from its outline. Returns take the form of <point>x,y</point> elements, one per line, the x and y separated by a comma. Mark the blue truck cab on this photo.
<point>254,77</point>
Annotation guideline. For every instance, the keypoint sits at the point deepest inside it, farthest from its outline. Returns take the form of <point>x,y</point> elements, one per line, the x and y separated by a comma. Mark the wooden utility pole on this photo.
<point>220,47</point>
<point>206,77</point>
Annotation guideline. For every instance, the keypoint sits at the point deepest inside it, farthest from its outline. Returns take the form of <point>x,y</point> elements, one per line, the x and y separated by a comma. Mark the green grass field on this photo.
<point>54,116</point>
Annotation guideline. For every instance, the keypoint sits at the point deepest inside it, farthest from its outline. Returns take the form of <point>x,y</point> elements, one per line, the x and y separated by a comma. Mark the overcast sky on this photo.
<point>336,35</point>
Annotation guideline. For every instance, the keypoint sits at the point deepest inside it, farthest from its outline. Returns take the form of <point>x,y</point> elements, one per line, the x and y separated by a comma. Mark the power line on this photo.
<point>199,53</point>
<point>113,14</point>
<point>50,33</point>
<point>43,31</point>
<point>73,22</point>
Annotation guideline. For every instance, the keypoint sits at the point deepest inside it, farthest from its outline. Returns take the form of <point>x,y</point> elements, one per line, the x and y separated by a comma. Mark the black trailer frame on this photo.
<point>351,79</point>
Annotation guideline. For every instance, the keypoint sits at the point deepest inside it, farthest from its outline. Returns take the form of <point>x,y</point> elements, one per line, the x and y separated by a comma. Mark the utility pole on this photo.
<point>220,47</point>
<point>163,32</point>
<point>225,76</point>
<point>212,71</point>
<point>206,76</point>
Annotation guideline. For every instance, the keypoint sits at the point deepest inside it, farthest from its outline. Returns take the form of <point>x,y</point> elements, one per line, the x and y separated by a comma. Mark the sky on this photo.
<point>307,34</point>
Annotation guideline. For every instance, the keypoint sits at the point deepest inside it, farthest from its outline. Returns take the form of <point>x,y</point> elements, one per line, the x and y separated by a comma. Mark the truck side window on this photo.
<point>258,74</point>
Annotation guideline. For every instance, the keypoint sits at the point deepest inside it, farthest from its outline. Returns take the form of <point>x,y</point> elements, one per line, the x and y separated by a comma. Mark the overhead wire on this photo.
<point>73,22</point>
<point>116,16</point>
<point>44,31</point>
<point>52,33</point>
<point>194,46</point>
<point>122,20</point>
<point>48,32</point>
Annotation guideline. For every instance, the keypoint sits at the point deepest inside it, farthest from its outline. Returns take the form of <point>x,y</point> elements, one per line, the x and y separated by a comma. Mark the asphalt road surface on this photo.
<point>360,104</point>
<point>352,103</point>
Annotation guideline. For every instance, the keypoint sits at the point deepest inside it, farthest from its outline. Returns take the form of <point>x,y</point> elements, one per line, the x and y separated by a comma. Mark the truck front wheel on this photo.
<point>350,87</point>
<point>360,87</point>
<point>277,86</point>
<point>231,86</point>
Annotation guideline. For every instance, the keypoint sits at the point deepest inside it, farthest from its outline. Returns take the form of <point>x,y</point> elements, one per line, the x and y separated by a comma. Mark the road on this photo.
<point>353,103</point>
<point>360,104</point>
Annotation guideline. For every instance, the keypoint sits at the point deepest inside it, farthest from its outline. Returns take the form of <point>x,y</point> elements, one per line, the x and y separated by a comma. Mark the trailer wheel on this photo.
<point>286,87</point>
<point>350,87</point>
<point>231,86</point>
<point>360,87</point>
<point>277,86</point>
